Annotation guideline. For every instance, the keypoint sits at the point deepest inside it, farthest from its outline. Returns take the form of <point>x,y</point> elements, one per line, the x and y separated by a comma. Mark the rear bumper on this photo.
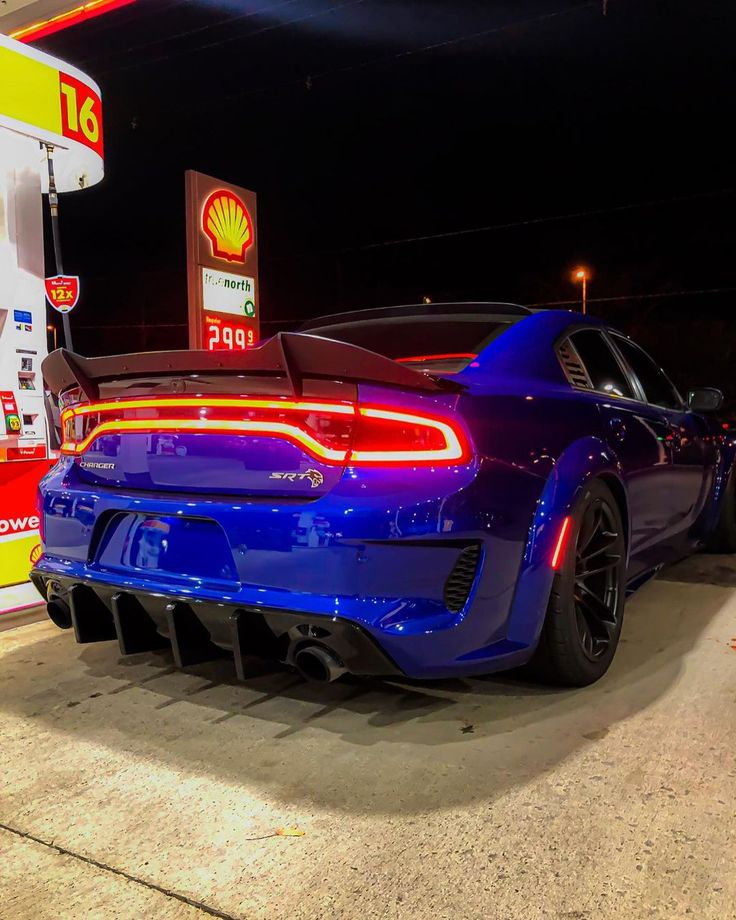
<point>380,552</point>
<point>139,620</point>
<point>145,617</point>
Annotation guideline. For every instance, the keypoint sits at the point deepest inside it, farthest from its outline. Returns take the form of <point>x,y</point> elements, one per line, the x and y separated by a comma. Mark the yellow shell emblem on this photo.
<point>228,225</point>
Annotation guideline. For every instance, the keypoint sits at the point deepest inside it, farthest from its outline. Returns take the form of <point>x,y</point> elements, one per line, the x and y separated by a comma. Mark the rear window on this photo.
<point>445,345</point>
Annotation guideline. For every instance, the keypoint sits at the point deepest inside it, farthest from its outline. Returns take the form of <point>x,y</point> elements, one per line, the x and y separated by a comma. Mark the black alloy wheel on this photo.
<point>598,559</point>
<point>586,606</point>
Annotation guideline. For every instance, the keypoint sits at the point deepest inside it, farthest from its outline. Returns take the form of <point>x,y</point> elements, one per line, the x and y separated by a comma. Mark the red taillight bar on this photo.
<point>453,450</point>
<point>208,402</point>
<point>209,426</point>
<point>364,434</point>
<point>417,359</point>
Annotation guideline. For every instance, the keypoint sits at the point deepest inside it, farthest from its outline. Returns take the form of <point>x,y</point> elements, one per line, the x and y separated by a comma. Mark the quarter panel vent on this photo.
<point>573,366</point>
<point>460,580</point>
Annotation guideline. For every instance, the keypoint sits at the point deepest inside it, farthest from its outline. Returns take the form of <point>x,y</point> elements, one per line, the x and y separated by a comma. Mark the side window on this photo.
<point>603,368</point>
<point>654,382</point>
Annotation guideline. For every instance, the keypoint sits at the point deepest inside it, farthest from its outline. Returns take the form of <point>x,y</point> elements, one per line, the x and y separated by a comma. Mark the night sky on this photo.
<point>515,140</point>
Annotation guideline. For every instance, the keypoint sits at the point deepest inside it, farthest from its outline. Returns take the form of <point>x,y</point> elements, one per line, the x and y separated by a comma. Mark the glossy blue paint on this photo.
<point>201,516</point>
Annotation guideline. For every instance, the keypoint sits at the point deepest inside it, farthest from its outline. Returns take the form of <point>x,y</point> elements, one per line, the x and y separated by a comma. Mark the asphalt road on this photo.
<point>128,789</point>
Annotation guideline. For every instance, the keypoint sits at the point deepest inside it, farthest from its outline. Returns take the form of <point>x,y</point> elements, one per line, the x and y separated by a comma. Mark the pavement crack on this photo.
<point>191,902</point>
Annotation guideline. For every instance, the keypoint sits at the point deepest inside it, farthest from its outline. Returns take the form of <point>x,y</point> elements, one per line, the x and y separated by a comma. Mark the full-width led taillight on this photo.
<point>332,432</point>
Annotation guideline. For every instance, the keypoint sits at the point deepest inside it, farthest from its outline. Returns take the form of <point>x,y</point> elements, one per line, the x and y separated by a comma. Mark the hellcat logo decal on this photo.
<point>314,476</point>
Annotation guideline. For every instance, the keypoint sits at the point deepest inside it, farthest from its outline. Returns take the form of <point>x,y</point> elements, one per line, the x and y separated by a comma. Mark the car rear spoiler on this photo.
<point>292,356</point>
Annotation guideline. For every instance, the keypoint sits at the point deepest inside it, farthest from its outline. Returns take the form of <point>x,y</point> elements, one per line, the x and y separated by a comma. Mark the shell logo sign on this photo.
<point>227,225</point>
<point>222,264</point>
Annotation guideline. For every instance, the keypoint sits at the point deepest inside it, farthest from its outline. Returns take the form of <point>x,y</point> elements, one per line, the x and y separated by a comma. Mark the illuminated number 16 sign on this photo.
<point>81,113</point>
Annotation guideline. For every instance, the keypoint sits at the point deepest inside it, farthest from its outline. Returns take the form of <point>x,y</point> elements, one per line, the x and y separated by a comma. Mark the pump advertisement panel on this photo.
<point>62,292</point>
<point>222,264</point>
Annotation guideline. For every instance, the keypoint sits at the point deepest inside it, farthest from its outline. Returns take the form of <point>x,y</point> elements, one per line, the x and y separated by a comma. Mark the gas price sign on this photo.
<point>221,334</point>
<point>222,261</point>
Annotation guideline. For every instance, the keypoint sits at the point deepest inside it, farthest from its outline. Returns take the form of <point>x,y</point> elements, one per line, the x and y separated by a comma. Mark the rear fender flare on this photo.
<point>582,461</point>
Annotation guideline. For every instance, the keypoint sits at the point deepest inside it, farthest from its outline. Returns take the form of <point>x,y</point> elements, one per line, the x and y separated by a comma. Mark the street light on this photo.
<point>51,328</point>
<point>582,275</point>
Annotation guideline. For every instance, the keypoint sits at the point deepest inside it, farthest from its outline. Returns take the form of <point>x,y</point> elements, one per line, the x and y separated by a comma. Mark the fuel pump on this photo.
<point>45,105</point>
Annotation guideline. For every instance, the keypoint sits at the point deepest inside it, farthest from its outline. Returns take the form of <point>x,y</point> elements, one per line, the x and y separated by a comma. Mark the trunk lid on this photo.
<point>271,421</point>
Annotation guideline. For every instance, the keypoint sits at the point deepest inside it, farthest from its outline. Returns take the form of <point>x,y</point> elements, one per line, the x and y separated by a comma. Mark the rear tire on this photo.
<point>723,538</point>
<point>586,606</point>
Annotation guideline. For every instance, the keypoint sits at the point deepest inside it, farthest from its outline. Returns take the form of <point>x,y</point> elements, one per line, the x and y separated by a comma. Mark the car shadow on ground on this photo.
<point>708,569</point>
<point>417,746</point>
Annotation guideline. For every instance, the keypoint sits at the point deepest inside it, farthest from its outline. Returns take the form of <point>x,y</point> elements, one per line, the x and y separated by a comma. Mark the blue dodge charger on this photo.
<point>420,491</point>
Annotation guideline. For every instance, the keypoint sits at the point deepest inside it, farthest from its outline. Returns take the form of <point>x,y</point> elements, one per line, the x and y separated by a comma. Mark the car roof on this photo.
<point>468,309</point>
<point>526,351</point>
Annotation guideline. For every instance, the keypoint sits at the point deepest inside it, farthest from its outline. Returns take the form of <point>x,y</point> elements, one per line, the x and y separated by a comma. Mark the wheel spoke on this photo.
<point>595,640</point>
<point>589,527</point>
<point>597,578</point>
<point>586,637</point>
<point>610,540</point>
<point>606,565</point>
<point>596,608</point>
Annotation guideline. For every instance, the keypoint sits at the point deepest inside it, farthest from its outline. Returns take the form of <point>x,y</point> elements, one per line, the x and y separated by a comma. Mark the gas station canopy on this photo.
<point>48,100</point>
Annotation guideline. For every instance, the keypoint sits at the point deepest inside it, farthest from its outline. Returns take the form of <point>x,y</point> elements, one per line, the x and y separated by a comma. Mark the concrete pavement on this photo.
<point>129,789</point>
